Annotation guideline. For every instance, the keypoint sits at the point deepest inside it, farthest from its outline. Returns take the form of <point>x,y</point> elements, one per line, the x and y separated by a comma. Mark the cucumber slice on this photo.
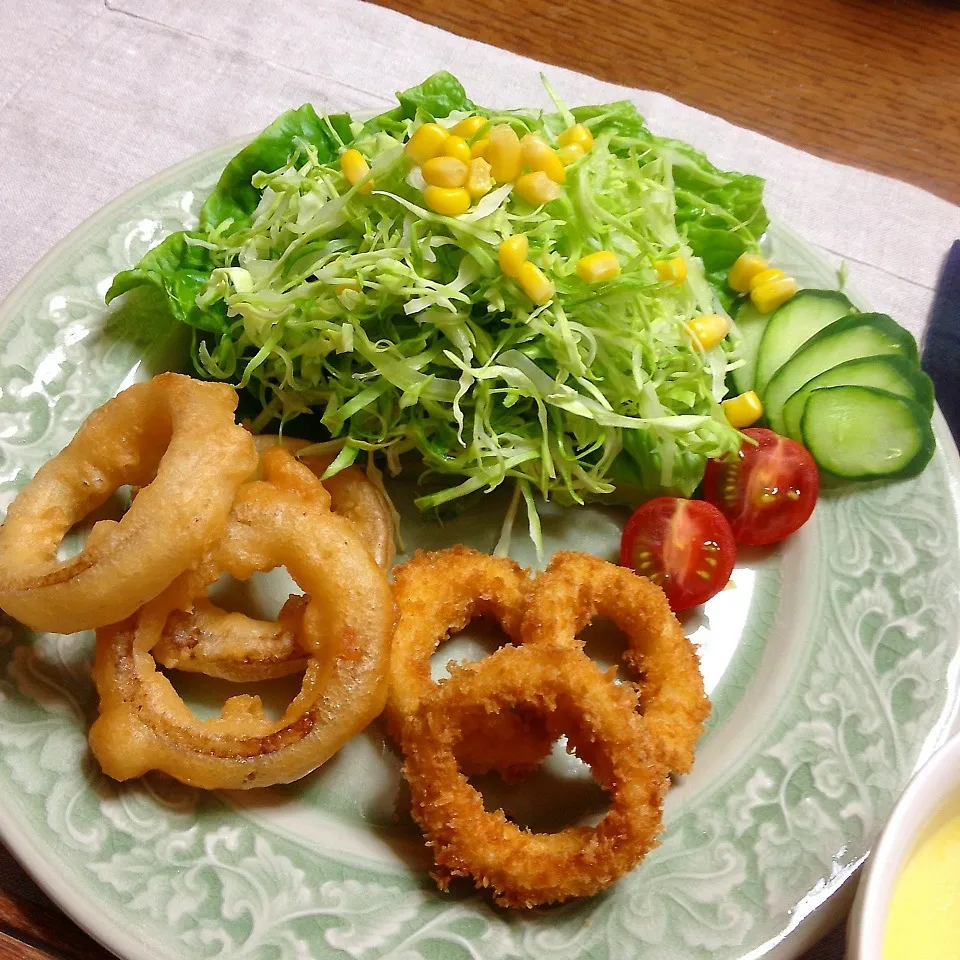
<point>849,338</point>
<point>750,324</point>
<point>861,433</point>
<point>894,373</point>
<point>792,325</point>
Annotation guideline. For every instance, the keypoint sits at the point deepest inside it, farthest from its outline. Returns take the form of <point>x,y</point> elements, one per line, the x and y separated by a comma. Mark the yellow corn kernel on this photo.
<point>457,147</point>
<point>479,178</point>
<point>536,188</point>
<point>513,254</point>
<point>445,172</point>
<point>765,276</point>
<point>673,270</point>
<point>539,155</point>
<point>746,267</point>
<point>449,201</point>
<point>479,147</point>
<point>355,168</point>
<point>426,143</point>
<point>468,126</point>
<point>570,153</point>
<point>578,133</point>
<point>343,287</point>
<point>503,154</point>
<point>709,329</point>
<point>768,296</point>
<point>599,266</point>
<point>535,284</point>
<point>743,411</point>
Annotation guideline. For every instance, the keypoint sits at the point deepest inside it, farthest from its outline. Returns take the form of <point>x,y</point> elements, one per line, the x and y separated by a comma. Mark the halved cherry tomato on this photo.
<point>684,546</point>
<point>767,491</point>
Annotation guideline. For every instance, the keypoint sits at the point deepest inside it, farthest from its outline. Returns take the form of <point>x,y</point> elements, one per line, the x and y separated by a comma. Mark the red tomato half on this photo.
<point>767,491</point>
<point>684,546</point>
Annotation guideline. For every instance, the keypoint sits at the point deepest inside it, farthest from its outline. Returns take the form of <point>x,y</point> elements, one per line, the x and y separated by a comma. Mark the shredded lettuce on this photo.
<point>397,329</point>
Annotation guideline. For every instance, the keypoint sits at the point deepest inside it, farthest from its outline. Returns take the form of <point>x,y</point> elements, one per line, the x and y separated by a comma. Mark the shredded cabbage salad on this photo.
<point>394,330</point>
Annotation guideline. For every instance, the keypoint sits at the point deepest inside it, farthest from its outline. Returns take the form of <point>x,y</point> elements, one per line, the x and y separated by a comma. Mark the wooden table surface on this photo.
<point>874,83</point>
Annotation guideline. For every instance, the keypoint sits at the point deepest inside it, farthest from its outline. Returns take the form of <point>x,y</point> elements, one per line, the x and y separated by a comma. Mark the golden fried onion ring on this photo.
<point>352,494</point>
<point>173,436</point>
<point>574,589</point>
<point>233,646</point>
<point>143,723</point>
<point>437,595</point>
<point>238,648</point>
<point>602,724</point>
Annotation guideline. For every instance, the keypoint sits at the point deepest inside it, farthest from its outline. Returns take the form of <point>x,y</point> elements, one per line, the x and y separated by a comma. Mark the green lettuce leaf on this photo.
<point>179,270</point>
<point>620,118</point>
<point>234,197</point>
<point>438,96</point>
<point>722,213</point>
<point>637,471</point>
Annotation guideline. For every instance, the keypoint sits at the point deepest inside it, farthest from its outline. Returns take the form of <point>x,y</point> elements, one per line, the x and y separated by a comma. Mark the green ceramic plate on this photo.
<point>832,664</point>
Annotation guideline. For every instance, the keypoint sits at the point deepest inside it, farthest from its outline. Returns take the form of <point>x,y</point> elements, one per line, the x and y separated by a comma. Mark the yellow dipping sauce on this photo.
<point>924,919</point>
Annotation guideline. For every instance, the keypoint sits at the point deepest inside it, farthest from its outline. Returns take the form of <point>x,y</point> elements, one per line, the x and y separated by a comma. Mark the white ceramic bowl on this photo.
<point>935,787</point>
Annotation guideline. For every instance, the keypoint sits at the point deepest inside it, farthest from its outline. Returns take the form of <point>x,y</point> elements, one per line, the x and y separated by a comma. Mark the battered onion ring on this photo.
<point>574,589</point>
<point>235,647</point>
<point>173,436</point>
<point>143,723</point>
<point>352,494</point>
<point>438,594</point>
<point>601,721</point>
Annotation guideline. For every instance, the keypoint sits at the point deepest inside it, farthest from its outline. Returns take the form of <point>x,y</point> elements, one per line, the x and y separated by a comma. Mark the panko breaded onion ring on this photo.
<point>173,436</point>
<point>235,647</point>
<point>574,589</point>
<point>437,595</point>
<point>143,723</point>
<point>353,495</point>
<point>601,721</point>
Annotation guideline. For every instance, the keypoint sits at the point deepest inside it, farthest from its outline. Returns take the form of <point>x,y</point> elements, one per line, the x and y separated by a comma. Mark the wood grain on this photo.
<point>12,948</point>
<point>873,83</point>
<point>27,915</point>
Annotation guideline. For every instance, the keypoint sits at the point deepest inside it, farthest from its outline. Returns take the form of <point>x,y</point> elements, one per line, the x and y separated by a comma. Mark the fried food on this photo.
<point>234,647</point>
<point>352,495</point>
<point>437,595</point>
<point>173,436</point>
<point>204,508</point>
<point>602,723</point>
<point>347,625</point>
<point>574,589</point>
